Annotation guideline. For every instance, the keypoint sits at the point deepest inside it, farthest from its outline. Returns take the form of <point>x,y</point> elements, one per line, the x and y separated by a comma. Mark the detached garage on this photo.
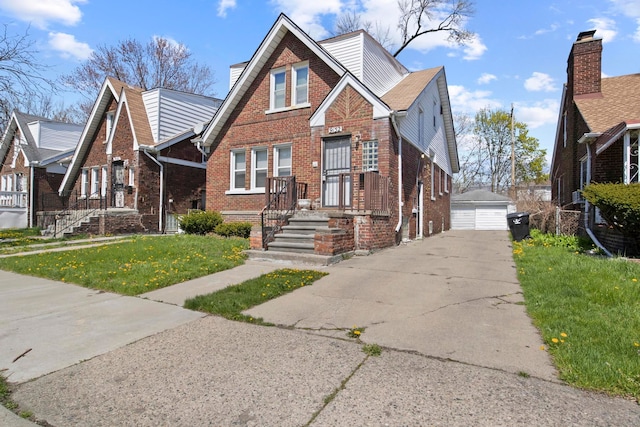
<point>480,210</point>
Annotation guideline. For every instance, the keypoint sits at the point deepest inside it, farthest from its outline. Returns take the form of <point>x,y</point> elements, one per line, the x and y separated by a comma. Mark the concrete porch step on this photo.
<point>294,238</point>
<point>291,247</point>
<point>293,257</point>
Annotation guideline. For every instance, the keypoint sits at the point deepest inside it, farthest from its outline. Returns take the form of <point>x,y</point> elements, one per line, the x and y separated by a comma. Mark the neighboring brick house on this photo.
<point>598,128</point>
<point>368,142</point>
<point>35,152</point>
<point>135,167</point>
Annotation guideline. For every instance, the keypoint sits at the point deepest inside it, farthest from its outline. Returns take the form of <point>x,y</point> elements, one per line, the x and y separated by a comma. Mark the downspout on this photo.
<point>593,237</point>
<point>395,114</point>
<point>160,208</point>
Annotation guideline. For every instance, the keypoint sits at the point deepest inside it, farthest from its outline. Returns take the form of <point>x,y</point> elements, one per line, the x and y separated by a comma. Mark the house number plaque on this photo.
<point>335,129</point>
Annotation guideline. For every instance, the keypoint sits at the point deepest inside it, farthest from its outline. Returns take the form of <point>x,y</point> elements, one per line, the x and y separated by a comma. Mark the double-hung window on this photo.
<point>259,164</point>
<point>95,181</point>
<point>109,124</point>
<point>300,81</point>
<point>282,160</point>
<point>278,88</point>
<point>238,170</point>
<point>103,185</point>
<point>433,180</point>
<point>84,183</point>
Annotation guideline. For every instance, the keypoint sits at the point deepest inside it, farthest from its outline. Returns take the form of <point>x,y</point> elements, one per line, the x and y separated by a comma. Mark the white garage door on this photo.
<point>463,218</point>
<point>479,218</point>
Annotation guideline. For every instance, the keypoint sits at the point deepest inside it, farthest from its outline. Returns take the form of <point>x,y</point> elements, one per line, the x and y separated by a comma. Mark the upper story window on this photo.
<point>369,156</point>
<point>300,79</point>
<point>109,124</point>
<point>282,160</point>
<point>259,162</point>
<point>238,170</point>
<point>278,88</point>
<point>435,108</point>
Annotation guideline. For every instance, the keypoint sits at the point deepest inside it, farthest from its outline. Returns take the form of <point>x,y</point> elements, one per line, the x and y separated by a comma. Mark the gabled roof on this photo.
<point>110,90</point>
<point>280,28</point>
<point>403,95</point>
<point>33,148</point>
<point>620,101</point>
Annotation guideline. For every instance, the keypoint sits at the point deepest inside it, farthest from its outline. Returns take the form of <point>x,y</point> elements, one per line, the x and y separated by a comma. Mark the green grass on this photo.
<point>588,311</point>
<point>130,268</point>
<point>18,233</point>
<point>230,302</point>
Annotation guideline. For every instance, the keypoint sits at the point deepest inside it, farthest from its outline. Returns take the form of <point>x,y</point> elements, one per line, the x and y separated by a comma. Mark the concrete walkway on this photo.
<point>456,343</point>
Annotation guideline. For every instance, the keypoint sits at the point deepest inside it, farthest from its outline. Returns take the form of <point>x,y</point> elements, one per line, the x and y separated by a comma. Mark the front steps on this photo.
<point>295,244</point>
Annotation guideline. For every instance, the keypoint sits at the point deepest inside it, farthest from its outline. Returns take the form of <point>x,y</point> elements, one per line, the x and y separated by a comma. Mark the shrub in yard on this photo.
<point>200,222</point>
<point>234,229</point>
<point>619,205</point>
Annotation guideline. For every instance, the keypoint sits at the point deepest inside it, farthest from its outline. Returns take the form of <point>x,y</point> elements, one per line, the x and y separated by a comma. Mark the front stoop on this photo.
<point>298,236</point>
<point>295,258</point>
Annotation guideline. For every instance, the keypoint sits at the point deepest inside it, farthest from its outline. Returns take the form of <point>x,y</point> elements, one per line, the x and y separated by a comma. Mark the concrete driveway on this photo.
<point>452,296</point>
<point>446,309</point>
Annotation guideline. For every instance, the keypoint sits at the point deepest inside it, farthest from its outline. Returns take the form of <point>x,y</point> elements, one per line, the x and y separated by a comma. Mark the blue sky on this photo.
<point>519,55</point>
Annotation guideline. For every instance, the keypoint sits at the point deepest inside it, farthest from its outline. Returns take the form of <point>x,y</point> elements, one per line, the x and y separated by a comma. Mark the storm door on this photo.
<point>118,184</point>
<point>336,172</point>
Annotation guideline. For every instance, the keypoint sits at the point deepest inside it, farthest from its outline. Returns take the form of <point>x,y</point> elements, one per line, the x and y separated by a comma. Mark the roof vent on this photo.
<point>586,35</point>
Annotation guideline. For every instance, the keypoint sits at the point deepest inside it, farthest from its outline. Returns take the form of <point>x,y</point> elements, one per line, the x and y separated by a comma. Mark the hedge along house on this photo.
<point>35,153</point>
<point>135,168</point>
<point>597,133</point>
<point>342,125</point>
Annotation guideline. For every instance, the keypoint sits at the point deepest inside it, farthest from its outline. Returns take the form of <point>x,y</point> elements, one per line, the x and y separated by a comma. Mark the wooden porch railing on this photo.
<point>369,191</point>
<point>281,196</point>
<point>13,199</point>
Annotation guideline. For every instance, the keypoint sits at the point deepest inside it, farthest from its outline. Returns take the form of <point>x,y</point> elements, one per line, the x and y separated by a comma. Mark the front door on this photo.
<point>118,184</point>
<point>336,160</point>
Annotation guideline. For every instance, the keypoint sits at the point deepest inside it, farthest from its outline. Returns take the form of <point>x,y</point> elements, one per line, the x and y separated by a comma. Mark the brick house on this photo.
<point>135,168</point>
<point>35,153</point>
<point>597,132</point>
<point>341,125</point>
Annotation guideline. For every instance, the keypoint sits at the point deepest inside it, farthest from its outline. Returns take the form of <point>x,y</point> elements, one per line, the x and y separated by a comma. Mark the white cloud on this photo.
<point>538,114</point>
<point>539,82</point>
<point>605,28</point>
<point>469,102</point>
<point>68,46</point>
<point>630,9</point>
<point>486,78</point>
<point>307,14</point>
<point>552,28</point>
<point>224,5</point>
<point>40,12</point>
<point>636,35</point>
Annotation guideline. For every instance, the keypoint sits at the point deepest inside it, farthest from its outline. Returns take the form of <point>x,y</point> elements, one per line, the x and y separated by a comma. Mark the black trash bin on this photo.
<point>519,225</point>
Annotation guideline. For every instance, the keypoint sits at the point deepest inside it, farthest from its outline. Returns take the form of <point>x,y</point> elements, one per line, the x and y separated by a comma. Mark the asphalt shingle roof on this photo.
<point>402,95</point>
<point>618,103</point>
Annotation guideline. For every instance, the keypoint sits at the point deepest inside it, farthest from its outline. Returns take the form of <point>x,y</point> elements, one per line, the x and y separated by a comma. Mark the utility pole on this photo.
<point>513,158</point>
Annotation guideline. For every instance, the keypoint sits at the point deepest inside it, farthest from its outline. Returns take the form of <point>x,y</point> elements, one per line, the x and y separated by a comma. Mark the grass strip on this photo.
<point>588,311</point>
<point>231,301</point>
<point>137,266</point>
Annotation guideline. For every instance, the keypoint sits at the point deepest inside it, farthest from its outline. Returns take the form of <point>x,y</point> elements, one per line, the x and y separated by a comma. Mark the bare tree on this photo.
<point>20,74</point>
<point>351,20</point>
<point>417,18</point>
<point>160,63</point>
<point>420,17</point>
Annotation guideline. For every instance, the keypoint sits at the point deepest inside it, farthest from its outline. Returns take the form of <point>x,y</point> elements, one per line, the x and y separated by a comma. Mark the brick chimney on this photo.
<point>584,66</point>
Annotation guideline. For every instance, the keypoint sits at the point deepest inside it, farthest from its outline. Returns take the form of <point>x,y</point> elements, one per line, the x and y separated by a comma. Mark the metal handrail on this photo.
<point>281,195</point>
<point>84,207</point>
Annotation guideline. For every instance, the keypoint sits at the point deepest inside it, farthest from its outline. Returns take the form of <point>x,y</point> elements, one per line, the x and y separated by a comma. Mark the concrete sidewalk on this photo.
<point>456,343</point>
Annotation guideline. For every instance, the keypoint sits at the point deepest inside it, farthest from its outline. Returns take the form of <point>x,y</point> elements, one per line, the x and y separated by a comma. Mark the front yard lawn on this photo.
<point>137,266</point>
<point>588,311</point>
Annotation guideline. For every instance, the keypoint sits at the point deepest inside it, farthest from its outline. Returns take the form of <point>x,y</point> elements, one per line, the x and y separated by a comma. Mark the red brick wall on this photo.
<point>608,165</point>
<point>585,67</point>
<point>250,127</point>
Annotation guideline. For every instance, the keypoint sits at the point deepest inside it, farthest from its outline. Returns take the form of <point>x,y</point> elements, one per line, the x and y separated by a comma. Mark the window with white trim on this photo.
<point>441,183</point>
<point>84,182</point>
<point>300,82</point>
<point>433,181</point>
<point>132,177</point>
<point>3,186</point>
<point>370,156</point>
<point>95,181</point>
<point>278,88</point>
<point>103,185</point>
<point>259,165</point>
<point>109,124</point>
<point>446,183</point>
<point>282,160</point>
<point>583,172</point>
<point>238,170</point>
